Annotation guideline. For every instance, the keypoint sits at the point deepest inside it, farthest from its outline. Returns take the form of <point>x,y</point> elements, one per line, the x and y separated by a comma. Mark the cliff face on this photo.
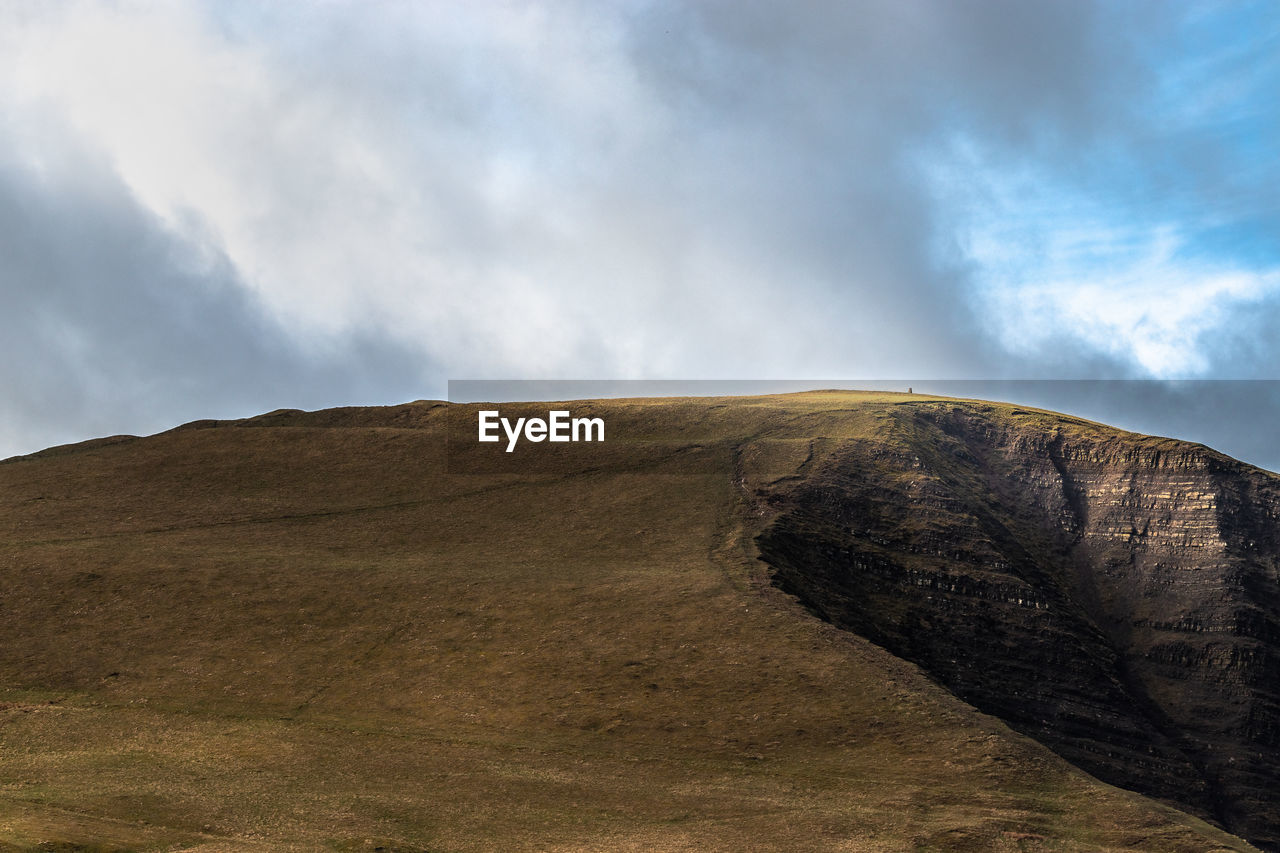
<point>1114,596</point>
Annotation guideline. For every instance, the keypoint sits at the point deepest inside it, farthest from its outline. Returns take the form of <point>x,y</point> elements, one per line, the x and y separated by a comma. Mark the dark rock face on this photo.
<point>1115,597</point>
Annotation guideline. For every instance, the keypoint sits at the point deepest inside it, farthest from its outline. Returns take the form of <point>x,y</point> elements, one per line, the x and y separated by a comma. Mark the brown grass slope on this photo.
<point>315,631</point>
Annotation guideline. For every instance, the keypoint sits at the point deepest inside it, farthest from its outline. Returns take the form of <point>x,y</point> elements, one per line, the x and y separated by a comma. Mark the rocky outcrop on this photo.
<point>1114,596</point>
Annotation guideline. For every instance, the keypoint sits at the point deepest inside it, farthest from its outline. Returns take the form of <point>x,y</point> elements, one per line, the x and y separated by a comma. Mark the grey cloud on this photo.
<point>802,125</point>
<point>111,324</point>
<point>780,141</point>
<point>1248,348</point>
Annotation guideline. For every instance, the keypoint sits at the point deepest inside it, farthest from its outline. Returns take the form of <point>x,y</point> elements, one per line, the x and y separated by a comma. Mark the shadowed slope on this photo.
<point>1114,596</point>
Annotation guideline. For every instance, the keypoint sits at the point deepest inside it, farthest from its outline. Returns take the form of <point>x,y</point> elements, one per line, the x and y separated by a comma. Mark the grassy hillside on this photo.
<point>324,631</point>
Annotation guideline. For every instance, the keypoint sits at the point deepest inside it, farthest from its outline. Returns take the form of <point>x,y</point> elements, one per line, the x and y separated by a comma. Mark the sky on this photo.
<point>215,208</point>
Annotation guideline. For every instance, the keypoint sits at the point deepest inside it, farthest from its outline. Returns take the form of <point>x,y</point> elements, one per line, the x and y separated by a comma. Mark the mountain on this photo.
<point>819,621</point>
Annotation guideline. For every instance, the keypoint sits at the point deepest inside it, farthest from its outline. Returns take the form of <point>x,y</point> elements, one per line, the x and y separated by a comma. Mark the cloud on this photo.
<point>601,190</point>
<point>1150,241</point>
<point>493,181</point>
<point>111,324</point>
<point>1133,297</point>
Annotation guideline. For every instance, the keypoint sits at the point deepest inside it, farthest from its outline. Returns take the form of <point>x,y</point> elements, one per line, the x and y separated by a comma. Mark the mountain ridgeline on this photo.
<point>1114,596</point>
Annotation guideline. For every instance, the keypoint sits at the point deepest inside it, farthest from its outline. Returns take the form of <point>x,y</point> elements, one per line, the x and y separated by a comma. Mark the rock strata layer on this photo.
<point>1114,596</point>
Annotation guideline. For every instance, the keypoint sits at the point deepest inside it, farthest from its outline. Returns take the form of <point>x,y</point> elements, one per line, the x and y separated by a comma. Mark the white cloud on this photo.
<point>511,189</point>
<point>1065,273</point>
<point>425,184</point>
<point>1159,316</point>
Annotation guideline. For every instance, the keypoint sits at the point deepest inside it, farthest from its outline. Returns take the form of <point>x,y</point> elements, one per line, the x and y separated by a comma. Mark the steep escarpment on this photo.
<point>1114,596</point>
